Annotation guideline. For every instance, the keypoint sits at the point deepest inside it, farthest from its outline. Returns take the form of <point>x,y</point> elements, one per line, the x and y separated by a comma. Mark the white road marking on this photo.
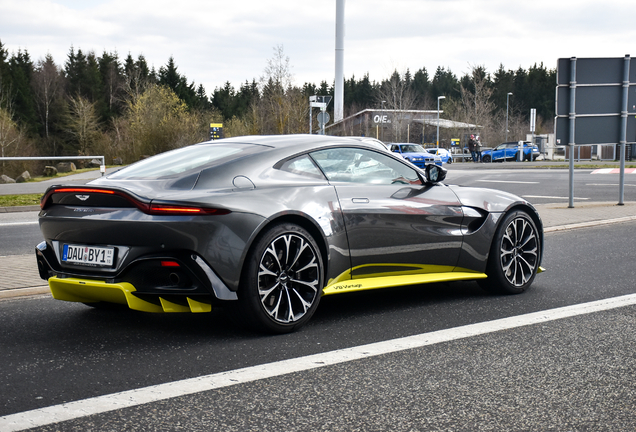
<point>508,181</point>
<point>613,171</point>
<point>552,197</point>
<point>607,184</point>
<point>130,398</point>
<point>17,223</point>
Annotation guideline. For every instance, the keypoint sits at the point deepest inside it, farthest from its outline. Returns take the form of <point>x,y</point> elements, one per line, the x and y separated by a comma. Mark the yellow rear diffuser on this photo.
<point>91,291</point>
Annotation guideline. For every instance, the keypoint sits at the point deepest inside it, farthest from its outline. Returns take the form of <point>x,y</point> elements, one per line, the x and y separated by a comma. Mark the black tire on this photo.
<point>486,158</point>
<point>282,281</point>
<point>514,255</point>
<point>450,160</point>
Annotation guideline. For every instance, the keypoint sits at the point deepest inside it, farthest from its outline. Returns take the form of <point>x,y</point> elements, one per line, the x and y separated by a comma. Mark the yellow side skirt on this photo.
<point>91,291</point>
<point>370,283</point>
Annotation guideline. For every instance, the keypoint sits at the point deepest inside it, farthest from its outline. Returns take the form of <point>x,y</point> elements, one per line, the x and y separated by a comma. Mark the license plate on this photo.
<point>88,255</point>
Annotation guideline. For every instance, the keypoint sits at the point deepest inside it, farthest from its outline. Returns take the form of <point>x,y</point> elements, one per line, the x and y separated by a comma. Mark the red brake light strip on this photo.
<point>157,209</point>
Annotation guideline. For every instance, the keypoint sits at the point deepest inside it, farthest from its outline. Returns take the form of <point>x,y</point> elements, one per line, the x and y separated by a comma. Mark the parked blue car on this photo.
<point>510,151</point>
<point>416,154</point>
<point>446,156</point>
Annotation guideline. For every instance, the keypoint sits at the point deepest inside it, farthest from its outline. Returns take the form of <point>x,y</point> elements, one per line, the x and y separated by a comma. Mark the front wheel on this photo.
<point>486,158</point>
<point>514,255</point>
<point>282,282</point>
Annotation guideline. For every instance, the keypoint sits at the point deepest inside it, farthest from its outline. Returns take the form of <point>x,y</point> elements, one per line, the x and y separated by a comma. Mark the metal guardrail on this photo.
<point>102,167</point>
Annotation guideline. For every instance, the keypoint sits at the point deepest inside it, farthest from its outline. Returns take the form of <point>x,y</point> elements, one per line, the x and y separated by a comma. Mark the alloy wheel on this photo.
<point>519,252</point>
<point>288,278</point>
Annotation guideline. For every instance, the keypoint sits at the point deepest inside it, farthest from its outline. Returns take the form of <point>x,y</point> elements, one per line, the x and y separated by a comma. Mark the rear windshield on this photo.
<point>185,160</point>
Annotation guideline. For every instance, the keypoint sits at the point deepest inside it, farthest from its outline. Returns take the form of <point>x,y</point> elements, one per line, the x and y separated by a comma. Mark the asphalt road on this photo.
<point>19,233</point>
<point>572,374</point>
<point>543,185</point>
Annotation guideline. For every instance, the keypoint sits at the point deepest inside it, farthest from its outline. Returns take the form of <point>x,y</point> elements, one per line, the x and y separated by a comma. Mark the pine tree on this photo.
<point>21,71</point>
<point>5,83</point>
<point>178,83</point>
<point>112,84</point>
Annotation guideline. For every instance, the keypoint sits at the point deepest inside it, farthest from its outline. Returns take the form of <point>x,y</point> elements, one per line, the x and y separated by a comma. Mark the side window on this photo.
<point>302,165</point>
<point>354,165</point>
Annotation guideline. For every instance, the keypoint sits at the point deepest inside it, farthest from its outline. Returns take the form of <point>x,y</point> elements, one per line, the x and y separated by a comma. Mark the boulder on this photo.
<point>64,167</point>
<point>95,163</point>
<point>6,179</point>
<point>50,171</point>
<point>117,161</point>
<point>25,176</point>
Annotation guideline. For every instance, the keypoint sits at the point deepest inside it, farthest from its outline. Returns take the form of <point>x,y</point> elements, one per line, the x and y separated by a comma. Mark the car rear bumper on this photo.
<point>146,284</point>
<point>94,291</point>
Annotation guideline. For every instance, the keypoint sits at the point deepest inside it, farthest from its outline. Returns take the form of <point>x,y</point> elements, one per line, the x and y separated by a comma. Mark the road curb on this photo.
<point>588,224</point>
<point>24,292</point>
<point>16,209</point>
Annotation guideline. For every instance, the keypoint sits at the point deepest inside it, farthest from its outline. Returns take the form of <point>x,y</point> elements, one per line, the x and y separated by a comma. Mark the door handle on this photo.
<point>360,200</point>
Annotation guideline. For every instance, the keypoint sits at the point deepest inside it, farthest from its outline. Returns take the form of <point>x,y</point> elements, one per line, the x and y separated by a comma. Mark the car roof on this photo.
<point>282,146</point>
<point>284,141</point>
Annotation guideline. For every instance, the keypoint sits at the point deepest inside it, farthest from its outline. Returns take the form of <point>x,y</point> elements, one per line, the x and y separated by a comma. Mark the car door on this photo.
<point>499,152</point>
<point>512,151</point>
<point>395,222</point>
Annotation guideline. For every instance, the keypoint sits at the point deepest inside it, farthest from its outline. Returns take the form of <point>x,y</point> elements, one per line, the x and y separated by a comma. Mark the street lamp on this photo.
<point>507,99</point>
<point>438,98</point>
<point>382,120</point>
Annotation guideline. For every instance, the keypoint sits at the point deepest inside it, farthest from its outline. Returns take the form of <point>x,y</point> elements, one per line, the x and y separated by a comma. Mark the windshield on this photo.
<point>191,158</point>
<point>413,148</point>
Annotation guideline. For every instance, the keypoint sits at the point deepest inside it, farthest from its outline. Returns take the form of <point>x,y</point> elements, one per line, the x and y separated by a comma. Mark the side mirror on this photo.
<point>435,173</point>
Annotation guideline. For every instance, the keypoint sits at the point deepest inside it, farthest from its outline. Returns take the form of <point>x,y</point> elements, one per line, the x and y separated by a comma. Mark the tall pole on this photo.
<point>339,82</point>
<point>507,101</point>
<point>382,120</point>
<point>623,140</point>
<point>571,139</point>
<point>438,98</point>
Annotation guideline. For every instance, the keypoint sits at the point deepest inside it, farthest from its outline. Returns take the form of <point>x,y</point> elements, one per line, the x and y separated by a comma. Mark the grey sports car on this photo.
<point>270,224</point>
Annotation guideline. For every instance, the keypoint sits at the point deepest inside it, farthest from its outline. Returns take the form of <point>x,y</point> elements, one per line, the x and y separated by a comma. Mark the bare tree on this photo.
<point>282,107</point>
<point>398,95</point>
<point>82,123</point>
<point>475,106</point>
<point>46,85</point>
<point>10,133</point>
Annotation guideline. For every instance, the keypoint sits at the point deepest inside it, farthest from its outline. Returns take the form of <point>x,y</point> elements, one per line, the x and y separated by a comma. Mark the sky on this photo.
<point>214,42</point>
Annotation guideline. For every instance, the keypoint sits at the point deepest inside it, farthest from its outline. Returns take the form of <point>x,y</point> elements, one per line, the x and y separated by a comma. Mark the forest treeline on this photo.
<point>102,105</point>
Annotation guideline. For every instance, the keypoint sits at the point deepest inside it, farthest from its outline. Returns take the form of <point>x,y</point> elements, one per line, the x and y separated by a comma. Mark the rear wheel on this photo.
<point>282,282</point>
<point>514,255</point>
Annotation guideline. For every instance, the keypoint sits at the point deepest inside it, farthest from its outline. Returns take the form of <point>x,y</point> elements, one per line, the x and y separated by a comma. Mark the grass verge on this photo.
<point>19,200</point>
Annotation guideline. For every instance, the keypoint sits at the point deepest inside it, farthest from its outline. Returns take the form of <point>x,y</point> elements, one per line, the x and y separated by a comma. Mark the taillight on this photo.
<point>164,209</point>
<point>153,208</point>
<point>84,190</point>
